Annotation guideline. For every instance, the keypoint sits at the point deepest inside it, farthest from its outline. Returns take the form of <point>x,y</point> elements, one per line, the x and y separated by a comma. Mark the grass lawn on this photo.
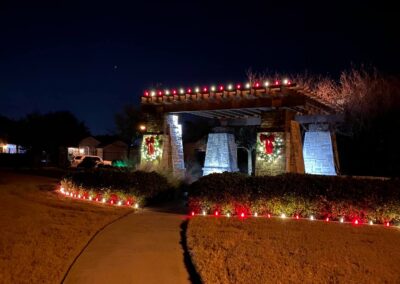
<point>41,231</point>
<point>258,250</point>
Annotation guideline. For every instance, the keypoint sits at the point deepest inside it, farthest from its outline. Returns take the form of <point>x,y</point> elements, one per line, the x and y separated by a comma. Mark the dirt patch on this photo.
<point>292,251</point>
<point>42,231</point>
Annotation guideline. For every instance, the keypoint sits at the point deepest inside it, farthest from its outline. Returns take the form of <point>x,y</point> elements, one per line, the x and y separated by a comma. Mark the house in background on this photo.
<point>106,147</point>
<point>6,148</point>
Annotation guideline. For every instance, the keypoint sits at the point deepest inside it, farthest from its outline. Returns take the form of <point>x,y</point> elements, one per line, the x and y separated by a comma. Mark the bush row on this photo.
<point>303,195</point>
<point>108,183</point>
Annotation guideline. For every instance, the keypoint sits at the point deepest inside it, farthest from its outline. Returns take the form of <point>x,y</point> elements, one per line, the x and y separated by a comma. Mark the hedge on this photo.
<point>303,195</point>
<point>114,184</point>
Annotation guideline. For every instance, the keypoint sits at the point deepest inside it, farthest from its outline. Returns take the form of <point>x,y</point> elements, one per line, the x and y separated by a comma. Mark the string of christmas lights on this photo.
<point>219,88</point>
<point>283,216</point>
<point>110,201</point>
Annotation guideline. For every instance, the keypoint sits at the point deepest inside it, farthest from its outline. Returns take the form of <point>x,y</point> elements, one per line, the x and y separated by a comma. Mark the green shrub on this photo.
<point>122,184</point>
<point>303,195</point>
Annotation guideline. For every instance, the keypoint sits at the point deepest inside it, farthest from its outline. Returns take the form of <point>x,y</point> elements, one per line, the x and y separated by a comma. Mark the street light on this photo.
<point>142,127</point>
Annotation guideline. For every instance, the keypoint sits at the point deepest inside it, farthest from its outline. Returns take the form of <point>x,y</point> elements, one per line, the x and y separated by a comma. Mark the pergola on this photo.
<point>277,109</point>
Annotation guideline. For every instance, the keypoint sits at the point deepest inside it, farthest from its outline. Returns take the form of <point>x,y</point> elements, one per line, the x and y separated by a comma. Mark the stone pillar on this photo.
<point>221,154</point>
<point>176,145</point>
<point>318,151</point>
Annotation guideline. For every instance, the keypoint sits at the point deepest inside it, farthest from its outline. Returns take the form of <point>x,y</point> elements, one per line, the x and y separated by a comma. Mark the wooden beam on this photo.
<point>309,119</point>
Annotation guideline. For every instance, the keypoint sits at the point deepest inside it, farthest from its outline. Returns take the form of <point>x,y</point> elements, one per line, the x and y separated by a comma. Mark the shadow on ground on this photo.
<point>194,276</point>
<point>179,207</point>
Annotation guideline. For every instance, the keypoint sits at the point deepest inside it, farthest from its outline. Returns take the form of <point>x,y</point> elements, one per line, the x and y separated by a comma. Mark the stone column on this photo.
<point>176,145</point>
<point>221,153</point>
<point>318,150</point>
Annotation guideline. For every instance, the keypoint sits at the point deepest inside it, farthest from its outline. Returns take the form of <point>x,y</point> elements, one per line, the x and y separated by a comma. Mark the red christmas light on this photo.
<point>242,215</point>
<point>112,202</point>
<point>192,213</point>
<point>356,222</point>
<point>276,82</point>
<point>159,93</point>
<point>238,86</point>
<point>327,219</point>
<point>205,89</point>
<point>387,224</point>
<point>297,217</point>
<point>221,88</point>
<point>174,92</point>
<point>189,91</point>
<point>216,213</point>
<point>146,94</point>
<point>257,85</point>
<point>128,203</point>
<point>269,215</point>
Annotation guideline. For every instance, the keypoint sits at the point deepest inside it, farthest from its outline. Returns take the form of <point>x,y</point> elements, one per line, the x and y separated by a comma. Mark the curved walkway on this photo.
<point>142,247</point>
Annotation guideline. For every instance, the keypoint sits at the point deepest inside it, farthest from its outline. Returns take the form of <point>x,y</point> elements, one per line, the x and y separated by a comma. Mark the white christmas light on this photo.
<point>197,89</point>
<point>312,218</point>
<point>212,88</point>
<point>370,222</point>
<point>79,196</point>
<point>90,198</point>
<point>204,213</point>
<point>247,85</point>
<point>153,93</point>
<point>283,216</point>
<point>119,203</point>
<point>285,81</point>
<point>103,200</point>
<point>256,214</point>
<point>341,220</point>
<point>181,91</point>
<point>136,205</point>
<point>266,83</point>
<point>167,92</point>
<point>230,87</point>
<point>228,215</point>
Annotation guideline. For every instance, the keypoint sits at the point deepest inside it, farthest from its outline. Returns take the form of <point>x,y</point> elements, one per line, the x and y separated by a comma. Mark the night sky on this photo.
<point>93,58</point>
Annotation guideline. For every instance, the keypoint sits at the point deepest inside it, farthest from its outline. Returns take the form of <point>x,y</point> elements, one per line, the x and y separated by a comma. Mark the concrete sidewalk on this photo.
<point>142,247</point>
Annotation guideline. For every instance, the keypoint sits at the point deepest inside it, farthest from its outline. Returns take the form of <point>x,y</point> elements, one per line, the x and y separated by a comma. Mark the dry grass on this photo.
<point>41,231</point>
<point>292,251</point>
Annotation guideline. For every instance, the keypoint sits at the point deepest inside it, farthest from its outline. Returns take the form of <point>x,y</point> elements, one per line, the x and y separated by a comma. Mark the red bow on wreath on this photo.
<point>150,145</point>
<point>268,141</point>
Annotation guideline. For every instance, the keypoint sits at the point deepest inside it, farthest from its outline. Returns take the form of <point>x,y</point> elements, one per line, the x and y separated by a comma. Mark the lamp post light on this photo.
<point>142,127</point>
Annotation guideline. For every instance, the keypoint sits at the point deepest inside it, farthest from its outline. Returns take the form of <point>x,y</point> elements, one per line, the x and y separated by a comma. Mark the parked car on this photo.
<point>88,161</point>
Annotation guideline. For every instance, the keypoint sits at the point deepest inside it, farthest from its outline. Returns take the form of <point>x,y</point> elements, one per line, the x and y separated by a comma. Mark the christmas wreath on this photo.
<point>269,146</point>
<point>151,147</point>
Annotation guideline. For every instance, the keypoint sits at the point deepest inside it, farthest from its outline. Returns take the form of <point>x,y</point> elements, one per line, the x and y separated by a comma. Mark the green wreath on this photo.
<point>276,143</point>
<point>151,147</point>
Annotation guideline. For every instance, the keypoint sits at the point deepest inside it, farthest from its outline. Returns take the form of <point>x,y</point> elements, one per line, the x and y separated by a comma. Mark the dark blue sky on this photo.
<point>93,58</point>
